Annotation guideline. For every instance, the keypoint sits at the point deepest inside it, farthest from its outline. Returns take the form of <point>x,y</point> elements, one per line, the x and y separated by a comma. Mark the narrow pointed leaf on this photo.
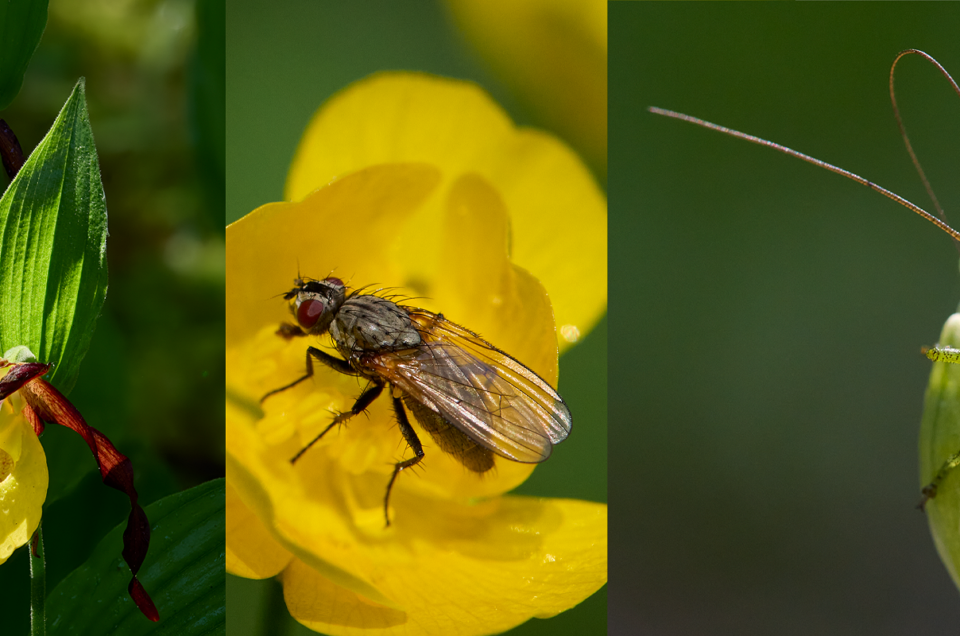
<point>184,573</point>
<point>53,233</point>
<point>21,25</point>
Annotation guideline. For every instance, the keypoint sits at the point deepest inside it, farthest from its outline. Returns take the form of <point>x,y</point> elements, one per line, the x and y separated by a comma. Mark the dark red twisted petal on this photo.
<point>11,154</point>
<point>45,403</point>
<point>20,374</point>
<point>143,600</point>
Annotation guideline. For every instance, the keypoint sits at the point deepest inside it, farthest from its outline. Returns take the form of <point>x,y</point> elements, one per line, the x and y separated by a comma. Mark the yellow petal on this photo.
<point>553,54</point>
<point>481,573</point>
<point>347,229</point>
<point>252,552</point>
<point>23,479</point>
<point>558,218</point>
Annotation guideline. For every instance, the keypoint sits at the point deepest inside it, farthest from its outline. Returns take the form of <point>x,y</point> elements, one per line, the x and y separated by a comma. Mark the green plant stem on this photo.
<point>38,586</point>
<point>275,614</point>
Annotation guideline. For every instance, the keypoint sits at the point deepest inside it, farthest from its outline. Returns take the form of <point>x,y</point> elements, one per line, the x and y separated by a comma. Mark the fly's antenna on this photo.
<point>903,129</point>
<point>832,168</point>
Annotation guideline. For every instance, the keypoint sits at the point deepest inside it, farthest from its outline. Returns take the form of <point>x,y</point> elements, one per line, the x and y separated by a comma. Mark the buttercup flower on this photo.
<point>424,186</point>
<point>22,463</point>
<point>557,227</point>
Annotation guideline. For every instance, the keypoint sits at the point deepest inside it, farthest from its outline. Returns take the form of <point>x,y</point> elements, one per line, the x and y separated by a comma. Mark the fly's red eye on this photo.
<point>308,312</point>
<point>334,281</point>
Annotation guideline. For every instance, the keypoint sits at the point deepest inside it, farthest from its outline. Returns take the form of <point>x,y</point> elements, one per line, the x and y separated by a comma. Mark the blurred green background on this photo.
<point>283,62</point>
<point>155,367</point>
<point>766,378</point>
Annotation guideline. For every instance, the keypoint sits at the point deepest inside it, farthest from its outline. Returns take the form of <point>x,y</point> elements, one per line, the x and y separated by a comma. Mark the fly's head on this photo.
<point>314,303</point>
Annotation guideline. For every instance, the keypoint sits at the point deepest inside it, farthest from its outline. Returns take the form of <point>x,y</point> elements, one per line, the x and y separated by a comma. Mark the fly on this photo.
<point>473,399</point>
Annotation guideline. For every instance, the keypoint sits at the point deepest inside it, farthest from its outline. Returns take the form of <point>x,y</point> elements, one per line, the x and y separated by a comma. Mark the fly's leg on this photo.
<point>289,331</point>
<point>950,355</point>
<point>413,442</point>
<point>365,399</point>
<point>312,352</point>
<point>930,491</point>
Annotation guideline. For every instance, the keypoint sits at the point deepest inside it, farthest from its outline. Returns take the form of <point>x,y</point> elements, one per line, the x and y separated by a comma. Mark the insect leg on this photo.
<point>312,352</point>
<point>930,491</point>
<point>365,399</point>
<point>413,442</point>
<point>289,331</point>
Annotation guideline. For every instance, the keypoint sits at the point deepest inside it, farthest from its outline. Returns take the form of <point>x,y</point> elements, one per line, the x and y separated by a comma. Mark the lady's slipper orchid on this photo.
<point>424,186</point>
<point>39,403</point>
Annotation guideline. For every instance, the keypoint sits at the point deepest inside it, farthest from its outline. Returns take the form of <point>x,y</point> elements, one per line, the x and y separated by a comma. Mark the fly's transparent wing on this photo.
<point>497,401</point>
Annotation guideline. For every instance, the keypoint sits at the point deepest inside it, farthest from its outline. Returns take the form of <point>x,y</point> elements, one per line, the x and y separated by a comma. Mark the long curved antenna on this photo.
<point>903,130</point>
<point>823,164</point>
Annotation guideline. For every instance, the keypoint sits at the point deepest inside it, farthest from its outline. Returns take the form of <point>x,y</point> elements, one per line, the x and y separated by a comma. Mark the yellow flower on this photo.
<point>553,54</point>
<point>23,477</point>
<point>557,227</point>
<point>423,185</point>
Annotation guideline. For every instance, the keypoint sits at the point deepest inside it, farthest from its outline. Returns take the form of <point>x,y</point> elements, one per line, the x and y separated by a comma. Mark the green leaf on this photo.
<point>183,573</point>
<point>53,239</point>
<point>21,25</point>
<point>939,443</point>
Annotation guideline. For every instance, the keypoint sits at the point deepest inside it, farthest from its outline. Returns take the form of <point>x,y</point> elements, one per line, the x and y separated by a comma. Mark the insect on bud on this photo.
<point>940,448</point>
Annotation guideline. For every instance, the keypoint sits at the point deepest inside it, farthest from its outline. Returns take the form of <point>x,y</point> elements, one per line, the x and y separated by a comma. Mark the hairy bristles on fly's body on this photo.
<point>382,292</point>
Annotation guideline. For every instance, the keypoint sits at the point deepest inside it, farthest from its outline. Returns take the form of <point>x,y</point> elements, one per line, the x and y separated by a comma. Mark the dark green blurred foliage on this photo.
<point>152,380</point>
<point>283,62</point>
<point>766,376</point>
<point>21,25</point>
<point>207,92</point>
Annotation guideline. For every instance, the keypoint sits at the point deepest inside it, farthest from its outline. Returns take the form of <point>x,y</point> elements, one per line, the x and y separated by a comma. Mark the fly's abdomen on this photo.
<point>450,439</point>
<point>371,323</point>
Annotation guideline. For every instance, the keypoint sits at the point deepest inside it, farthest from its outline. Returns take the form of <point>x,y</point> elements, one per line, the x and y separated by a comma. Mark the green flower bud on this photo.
<point>20,353</point>
<point>940,448</point>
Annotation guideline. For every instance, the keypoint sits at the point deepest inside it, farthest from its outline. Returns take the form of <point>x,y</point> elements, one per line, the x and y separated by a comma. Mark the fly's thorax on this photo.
<point>371,323</point>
